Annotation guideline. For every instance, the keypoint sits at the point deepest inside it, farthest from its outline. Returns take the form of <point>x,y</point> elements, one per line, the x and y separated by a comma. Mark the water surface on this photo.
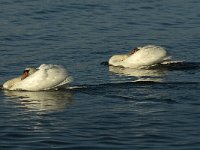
<point>104,108</point>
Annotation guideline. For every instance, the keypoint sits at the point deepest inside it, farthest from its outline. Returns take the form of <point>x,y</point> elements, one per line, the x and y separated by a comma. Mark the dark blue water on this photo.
<point>103,108</point>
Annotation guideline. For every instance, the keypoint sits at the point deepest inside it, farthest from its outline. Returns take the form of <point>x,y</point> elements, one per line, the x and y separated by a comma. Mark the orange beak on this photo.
<point>24,75</point>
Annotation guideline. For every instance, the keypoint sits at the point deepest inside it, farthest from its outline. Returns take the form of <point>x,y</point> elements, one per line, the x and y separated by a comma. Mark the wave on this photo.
<point>117,84</point>
<point>139,93</point>
<point>171,66</point>
<point>144,100</point>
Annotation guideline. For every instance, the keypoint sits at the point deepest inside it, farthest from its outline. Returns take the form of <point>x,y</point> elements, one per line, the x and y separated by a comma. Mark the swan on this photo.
<point>45,77</point>
<point>140,57</point>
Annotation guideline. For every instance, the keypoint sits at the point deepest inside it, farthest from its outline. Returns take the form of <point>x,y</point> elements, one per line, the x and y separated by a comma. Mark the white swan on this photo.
<point>47,76</point>
<point>140,57</point>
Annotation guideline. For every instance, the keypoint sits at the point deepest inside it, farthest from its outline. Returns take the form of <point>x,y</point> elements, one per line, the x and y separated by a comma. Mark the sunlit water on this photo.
<point>104,108</point>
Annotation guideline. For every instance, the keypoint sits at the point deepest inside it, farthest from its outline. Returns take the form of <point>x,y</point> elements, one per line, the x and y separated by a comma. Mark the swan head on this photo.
<point>27,72</point>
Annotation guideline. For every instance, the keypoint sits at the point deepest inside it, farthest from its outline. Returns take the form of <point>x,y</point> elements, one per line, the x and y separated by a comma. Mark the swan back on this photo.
<point>147,55</point>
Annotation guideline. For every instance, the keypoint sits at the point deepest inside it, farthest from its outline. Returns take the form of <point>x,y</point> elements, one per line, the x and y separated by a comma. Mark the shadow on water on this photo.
<point>182,66</point>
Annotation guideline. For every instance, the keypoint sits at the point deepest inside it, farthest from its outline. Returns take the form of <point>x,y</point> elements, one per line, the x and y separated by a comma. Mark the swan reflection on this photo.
<point>141,74</point>
<point>42,100</point>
